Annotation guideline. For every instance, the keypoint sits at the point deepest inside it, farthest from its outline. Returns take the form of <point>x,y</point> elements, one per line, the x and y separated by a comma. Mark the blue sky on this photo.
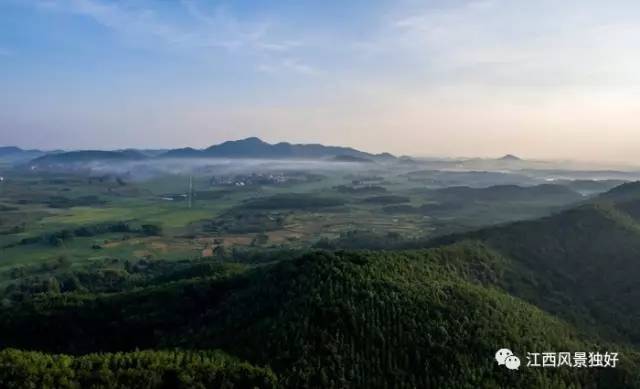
<point>549,79</point>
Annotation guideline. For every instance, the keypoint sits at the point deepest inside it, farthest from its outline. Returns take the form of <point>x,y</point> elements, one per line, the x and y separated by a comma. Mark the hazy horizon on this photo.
<point>483,78</point>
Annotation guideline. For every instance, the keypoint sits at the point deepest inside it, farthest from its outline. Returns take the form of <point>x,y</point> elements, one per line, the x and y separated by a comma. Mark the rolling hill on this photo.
<point>14,154</point>
<point>546,192</point>
<point>510,158</point>
<point>256,148</point>
<point>474,207</point>
<point>249,148</point>
<point>86,156</point>
<point>626,192</point>
<point>580,264</point>
<point>428,318</point>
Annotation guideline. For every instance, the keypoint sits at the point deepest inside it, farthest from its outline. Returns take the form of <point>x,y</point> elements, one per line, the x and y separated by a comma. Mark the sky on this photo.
<point>541,79</point>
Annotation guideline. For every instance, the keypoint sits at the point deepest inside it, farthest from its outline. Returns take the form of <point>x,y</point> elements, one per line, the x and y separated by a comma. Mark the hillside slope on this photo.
<point>545,192</point>
<point>85,156</point>
<point>581,264</point>
<point>12,154</point>
<point>366,320</point>
<point>256,148</point>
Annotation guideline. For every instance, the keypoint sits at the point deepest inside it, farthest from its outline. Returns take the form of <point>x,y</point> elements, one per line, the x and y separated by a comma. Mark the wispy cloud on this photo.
<point>457,77</point>
<point>288,65</point>
<point>507,43</point>
<point>133,23</point>
<point>279,46</point>
<point>222,29</point>
<point>142,25</point>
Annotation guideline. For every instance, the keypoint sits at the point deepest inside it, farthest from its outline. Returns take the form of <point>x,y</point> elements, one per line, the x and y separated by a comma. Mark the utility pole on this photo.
<point>190,191</point>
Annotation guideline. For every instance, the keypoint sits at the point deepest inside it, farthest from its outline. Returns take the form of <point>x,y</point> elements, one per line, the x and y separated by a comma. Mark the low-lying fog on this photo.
<point>420,172</point>
<point>140,170</point>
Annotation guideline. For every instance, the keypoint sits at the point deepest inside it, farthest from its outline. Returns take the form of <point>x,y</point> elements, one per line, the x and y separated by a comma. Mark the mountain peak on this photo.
<point>510,157</point>
<point>252,139</point>
<point>624,192</point>
<point>254,147</point>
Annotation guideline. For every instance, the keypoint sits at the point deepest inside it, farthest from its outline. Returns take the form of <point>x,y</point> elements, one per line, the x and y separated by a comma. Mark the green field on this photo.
<point>322,206</point>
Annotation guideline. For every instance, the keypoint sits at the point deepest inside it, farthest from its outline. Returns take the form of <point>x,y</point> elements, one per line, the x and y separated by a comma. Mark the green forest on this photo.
<point>420,318</point>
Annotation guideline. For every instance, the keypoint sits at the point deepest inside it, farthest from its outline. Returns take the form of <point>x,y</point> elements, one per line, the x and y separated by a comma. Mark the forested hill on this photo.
<point>623,193</point>
<point>13,154</point>
<point>580,264</point>
<point>429,319</point>
<point>86,156</point>
<point>257,148</point>
<point>249,148</point>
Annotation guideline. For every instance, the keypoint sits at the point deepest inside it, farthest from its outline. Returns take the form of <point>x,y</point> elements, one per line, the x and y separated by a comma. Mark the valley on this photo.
<point>355,274</point>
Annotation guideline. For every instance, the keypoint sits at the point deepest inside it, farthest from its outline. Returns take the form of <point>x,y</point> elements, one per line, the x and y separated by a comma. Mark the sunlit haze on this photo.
<point>539,79</point>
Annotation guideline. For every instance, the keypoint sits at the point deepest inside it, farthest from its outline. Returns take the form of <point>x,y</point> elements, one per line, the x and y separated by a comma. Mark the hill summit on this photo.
<point>254,147</point>
<point>510,157</point>
<point>248,148</point>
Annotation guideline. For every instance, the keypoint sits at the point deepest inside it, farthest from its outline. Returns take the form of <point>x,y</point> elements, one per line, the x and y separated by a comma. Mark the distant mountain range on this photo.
<point>249,148</point>
<point>245,148</point>
<point>256,148</point>
<point>15,154</point>
<point>89,155</point>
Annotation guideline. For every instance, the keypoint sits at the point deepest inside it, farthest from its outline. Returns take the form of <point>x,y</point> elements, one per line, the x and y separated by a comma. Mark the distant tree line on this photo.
<point>57,238</point>
<point>139,369</point>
